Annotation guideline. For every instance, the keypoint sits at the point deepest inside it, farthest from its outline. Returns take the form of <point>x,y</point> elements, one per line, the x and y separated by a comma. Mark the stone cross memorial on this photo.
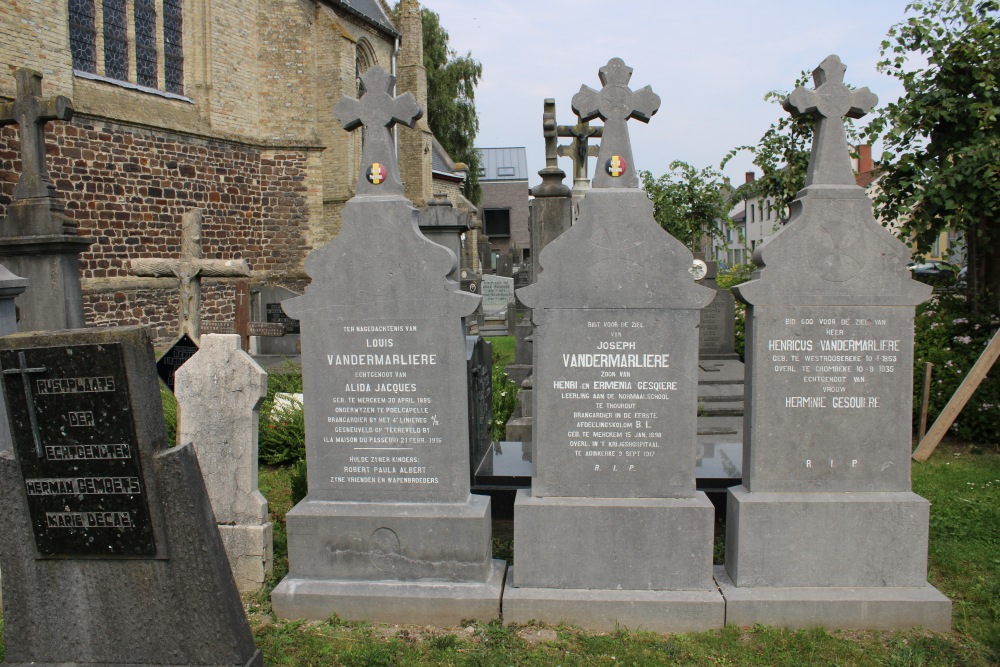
<point>218,394</point>
<point>612,530</point>
<point>389,531</point>
<point>37,240</point>
<point>110,551</point>
<point>825,529</point>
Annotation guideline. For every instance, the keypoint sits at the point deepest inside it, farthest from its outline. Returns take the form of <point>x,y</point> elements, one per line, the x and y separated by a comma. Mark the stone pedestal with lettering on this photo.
<point>389,531</point>
<point>110,552</point>
<point>613,531</point>
<point>825,529</point>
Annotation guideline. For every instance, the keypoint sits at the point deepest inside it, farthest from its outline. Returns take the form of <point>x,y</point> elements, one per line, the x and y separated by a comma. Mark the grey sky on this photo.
<point>711,62</point>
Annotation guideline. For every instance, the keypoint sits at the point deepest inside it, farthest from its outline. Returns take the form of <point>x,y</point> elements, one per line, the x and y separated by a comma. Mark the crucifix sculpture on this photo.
<point>615,103</point>
<point>830,103</point>
<point>30,113</point>
<point>190,268</point>
<point>579,148</point>
<point>378,110</point>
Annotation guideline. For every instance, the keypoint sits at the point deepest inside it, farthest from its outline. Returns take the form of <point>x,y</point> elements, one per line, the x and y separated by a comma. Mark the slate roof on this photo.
<point>369,11</point>
<point>442,164</point>
<point>503,164</point>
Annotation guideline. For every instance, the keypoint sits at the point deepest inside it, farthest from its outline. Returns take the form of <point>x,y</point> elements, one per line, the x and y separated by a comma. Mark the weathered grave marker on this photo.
<point>825,529</point>
<point>613,530</point>
<point>37,240</point>
<point>389,531</point>
<point>218,395</point>
<point>110,548</point>
<point>190,268</point>
<point>166,366</point>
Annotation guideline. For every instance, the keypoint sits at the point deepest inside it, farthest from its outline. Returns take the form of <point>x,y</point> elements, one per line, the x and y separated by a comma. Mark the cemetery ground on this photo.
<point>961,480</point>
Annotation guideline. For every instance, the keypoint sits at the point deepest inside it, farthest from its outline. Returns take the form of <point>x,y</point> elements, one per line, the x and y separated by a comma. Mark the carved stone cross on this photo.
<point>580,148</point>
<point>30,113</point>
<point>190,268</point>
<point>378,111</point>
<point>830,103</point>
<point>615,104</point>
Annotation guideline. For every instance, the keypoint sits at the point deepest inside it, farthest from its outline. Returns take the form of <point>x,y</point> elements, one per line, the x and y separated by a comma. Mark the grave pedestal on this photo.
<point>848,560</point>
<point>380,562</point>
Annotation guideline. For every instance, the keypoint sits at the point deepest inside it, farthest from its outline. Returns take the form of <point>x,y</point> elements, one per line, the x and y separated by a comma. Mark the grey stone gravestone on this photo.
<point>218,394</point>
<point>110,546</point>
<point>717,331</point>
<point>613,530</point>
<point>267,309</point>
<point>11,286</point>
<point>479,358</point>
<point>189,269</point>
<point>37,240</point>
<point>825,529</point>
<point>389,531</point>
<point>498,298</point>
<point>505,265</point>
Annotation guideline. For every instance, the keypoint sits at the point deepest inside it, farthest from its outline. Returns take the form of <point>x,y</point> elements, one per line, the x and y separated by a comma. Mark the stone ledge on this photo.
<point>884,608</point>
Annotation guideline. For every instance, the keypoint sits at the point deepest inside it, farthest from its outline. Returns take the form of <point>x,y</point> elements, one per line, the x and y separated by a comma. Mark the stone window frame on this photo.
<point>88,33</point>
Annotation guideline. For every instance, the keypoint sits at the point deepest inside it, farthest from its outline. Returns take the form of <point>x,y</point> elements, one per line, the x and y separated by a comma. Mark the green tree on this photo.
<point>451,98</point>
<point>941,161</point>
<point>782,153</point>
<point>689,203</point>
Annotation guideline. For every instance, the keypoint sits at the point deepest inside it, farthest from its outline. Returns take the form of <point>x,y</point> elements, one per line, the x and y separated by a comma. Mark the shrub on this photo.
<point>735,275</point>
<point>949,336</point>
<point>282,431</point>
<point>504,398</point>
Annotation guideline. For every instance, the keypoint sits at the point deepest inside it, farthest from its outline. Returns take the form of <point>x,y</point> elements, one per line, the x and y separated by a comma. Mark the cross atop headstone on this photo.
<point>579,148</point>
<point>30,113</point>
<point>378,110</point>
<point>830,103</point>
<point>615,104</point>
<point>552,175</point>
<point>190,268</point>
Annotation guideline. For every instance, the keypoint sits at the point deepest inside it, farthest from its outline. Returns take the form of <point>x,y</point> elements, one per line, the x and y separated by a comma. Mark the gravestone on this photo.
<point>189,269</point>
<point>479,360</point>
<point>166,366</point>
<point>218,395</point>
<point>498,301</point>
<point>241,324</point>
<point>505,265</point>
<point>717,331</point>
<point>267,310</point>
<point>612,530</point>
<point>37,240</point>
<point>110,549</point>
<point>11,286</point>
<point>389,531</point>
<point>825,529</point>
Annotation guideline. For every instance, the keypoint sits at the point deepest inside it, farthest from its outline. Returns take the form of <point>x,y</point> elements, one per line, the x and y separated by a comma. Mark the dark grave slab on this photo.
<point>276,314</point>
<point>110,553</point>
<point>183,349</point>
<point>825,529</point>
<point>479,368</point>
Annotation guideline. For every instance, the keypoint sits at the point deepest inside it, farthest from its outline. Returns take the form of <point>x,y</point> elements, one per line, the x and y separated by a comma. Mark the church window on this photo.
<point>119,41</point>
<point>173,46</point>
<point>83,35</point>
<point>145,43</point>
<point>115,40</point>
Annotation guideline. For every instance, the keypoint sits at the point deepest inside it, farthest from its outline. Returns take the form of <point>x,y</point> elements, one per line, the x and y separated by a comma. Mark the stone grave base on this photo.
<point>641,544</point>
<point>251,553</point>
<point>437,603</point>
<point>872,608</point>
<point>391,562</point>
<point>608,609</point>
<point>826,539</point>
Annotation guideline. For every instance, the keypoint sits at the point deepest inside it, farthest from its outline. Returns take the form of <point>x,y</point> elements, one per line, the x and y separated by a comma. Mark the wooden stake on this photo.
<point>951,411</point>
<point>924,401</point>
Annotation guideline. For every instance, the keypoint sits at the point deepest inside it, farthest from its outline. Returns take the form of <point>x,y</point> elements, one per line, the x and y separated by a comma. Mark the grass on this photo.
<point>503,350</point>
<point>961,482</point>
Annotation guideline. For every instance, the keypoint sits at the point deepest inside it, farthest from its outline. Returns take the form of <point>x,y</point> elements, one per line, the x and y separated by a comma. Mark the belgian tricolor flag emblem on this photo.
<point>376,173</point>
<point>615,166</point>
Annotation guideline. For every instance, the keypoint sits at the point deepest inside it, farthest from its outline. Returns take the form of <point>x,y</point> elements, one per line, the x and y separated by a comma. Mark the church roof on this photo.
<point>371,12</point>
